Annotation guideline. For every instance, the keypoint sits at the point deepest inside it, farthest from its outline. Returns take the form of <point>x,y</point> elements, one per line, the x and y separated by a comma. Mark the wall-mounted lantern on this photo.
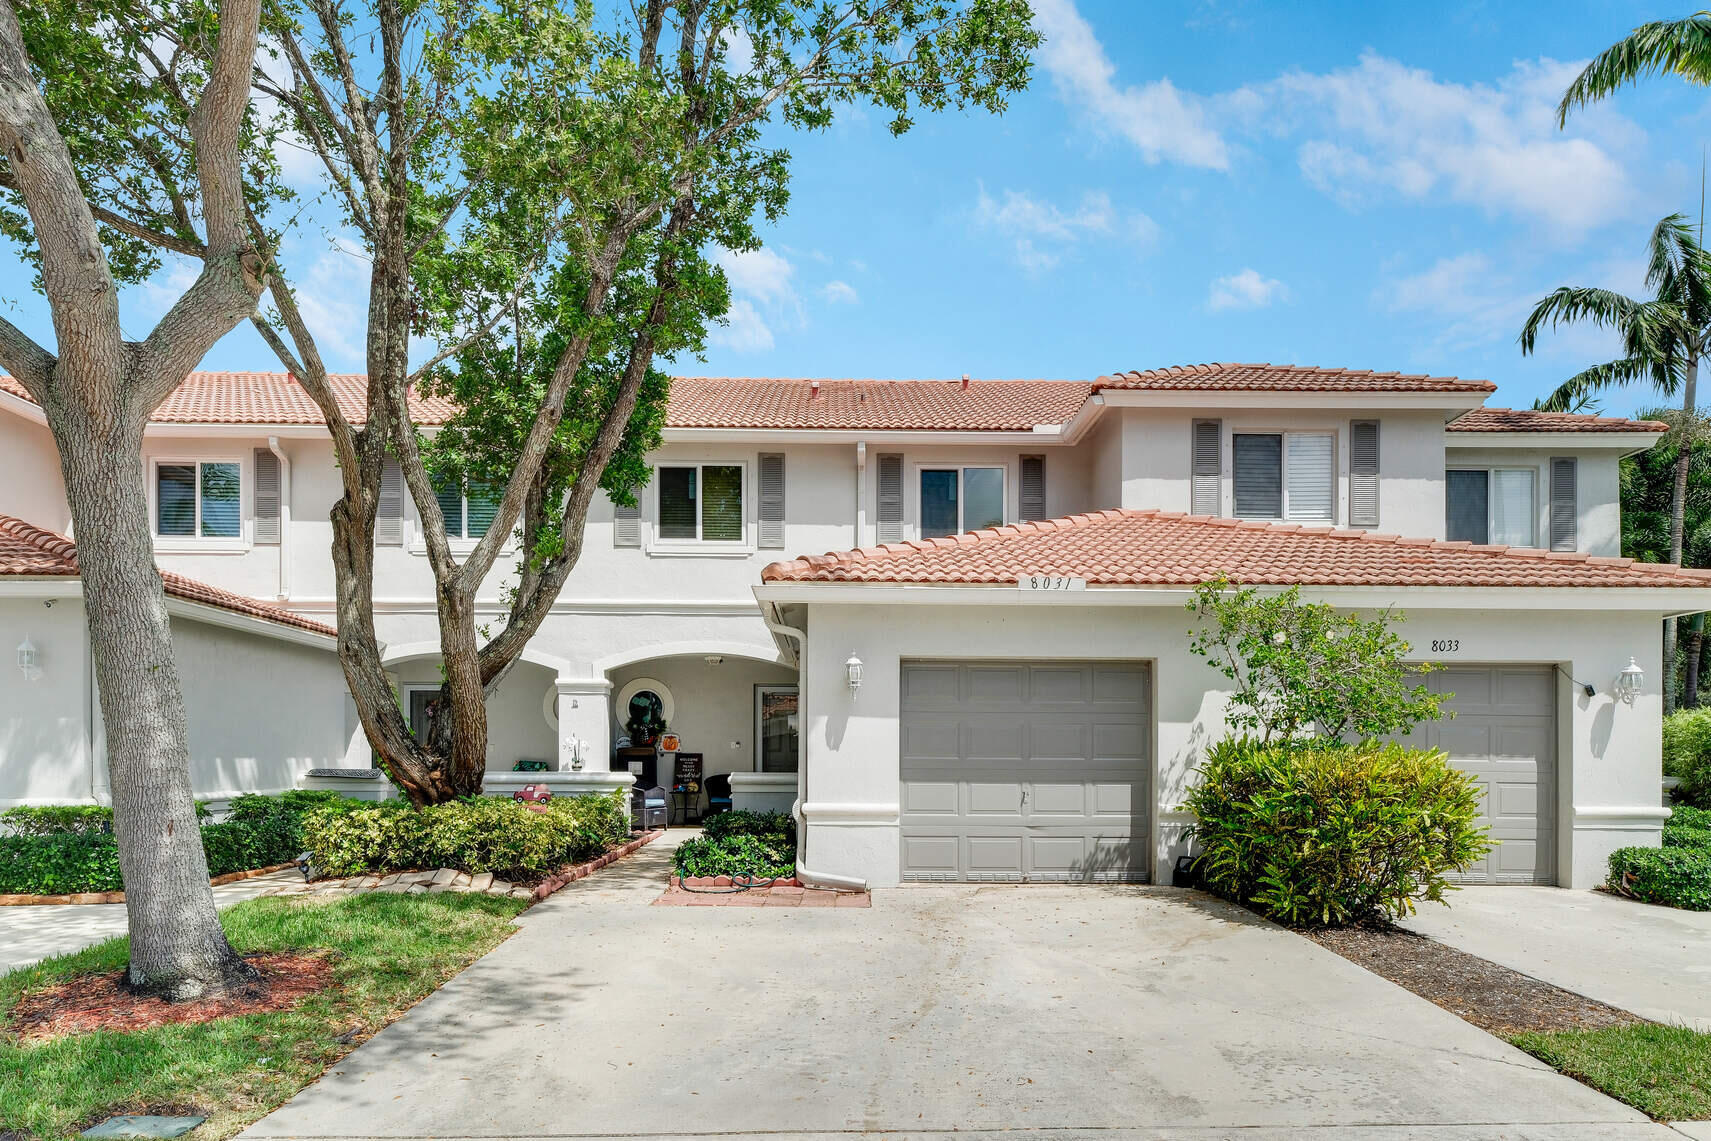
<point>852,671</point>
<point>1629,681</point>
<point>30,660</point>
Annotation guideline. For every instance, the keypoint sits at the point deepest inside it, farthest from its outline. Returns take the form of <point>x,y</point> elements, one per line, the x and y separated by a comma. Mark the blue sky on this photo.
<point>1355,185</point>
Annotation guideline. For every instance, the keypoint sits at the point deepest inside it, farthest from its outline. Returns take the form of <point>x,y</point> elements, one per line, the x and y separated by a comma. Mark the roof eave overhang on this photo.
<point>1238,398</point>
<point>1043,435</point>
<point>1627,443</point>
<point>70,586</point>
<point>1662,600</point>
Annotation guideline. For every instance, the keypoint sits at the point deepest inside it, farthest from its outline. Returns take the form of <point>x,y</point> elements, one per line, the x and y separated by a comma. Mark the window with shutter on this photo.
<point>267,499</point>
<point>1363,473</point>
<point>1491,505</point>
<point>389,510</point>
<point>771,500</point>
<point>200,499</point>
<point>626,525</point>
<point>701,503</point>
<point>1466,506</point>
<point>1564,504</point>
<point>1257,475</point>
<point>1206,491</point>
<point>888,515</point>
<point>1310,477</point>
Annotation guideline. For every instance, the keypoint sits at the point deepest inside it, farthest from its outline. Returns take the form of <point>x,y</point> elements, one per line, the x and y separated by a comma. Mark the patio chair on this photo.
<point>718,789</point>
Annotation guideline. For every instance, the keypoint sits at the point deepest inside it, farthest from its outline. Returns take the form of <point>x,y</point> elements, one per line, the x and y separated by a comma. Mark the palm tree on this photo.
<point>1662,342</point>
<point>1679,47</point>
<point>1648,482</point>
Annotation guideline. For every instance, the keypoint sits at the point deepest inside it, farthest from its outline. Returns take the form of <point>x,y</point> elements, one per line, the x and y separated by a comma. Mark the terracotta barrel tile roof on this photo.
<point>28,551</point>
<point>1232,377</point>
<point>875,405</point>
<point>266,398</point>
<point>1162,548</point>
<point>1527,420</point>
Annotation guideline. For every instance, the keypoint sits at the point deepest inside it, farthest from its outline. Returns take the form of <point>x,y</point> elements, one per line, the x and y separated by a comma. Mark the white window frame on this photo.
<point>1491,469</point>
<point>1283,435</point>
<point>408,691</point>
<point>1010,507</point>
<point>698,545</point>
<point>199,543</point>
<point>458,546</point>
<point>760,744</point>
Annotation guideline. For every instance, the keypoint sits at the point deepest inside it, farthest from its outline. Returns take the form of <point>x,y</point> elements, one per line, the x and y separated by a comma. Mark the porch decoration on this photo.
<point>533,794</point>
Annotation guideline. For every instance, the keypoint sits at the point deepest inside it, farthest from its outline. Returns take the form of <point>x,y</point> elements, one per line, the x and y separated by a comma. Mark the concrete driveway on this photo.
<point>1654,961</point>
<point>1126,1012</point>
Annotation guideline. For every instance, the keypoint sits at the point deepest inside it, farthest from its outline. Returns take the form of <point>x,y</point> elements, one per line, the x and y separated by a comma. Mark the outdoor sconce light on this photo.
<point>1629,681</point>
<point>30,660</point>
<point>852,670</point>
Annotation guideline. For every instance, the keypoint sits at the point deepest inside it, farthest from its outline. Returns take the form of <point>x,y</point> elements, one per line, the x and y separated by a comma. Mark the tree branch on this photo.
<point>30,364</point>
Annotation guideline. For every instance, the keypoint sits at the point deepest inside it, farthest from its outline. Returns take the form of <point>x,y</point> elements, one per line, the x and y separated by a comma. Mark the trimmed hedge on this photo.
<point>741,843</point>
<point>480,834</point>
<point>67,850</point>
<point>1326,833</point>
<point>1672,876</point>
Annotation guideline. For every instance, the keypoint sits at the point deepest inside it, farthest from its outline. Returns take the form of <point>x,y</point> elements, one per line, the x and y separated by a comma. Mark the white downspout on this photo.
<point>807,877</point>
<point>861,493</point>
<point>284,517</point>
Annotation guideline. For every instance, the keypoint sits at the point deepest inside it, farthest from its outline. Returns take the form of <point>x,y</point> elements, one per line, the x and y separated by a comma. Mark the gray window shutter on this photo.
<point>1564,508</point>
<point>626,524</point>
<point>771,499</point>
<point>1363,473</point>
<point>389,513</point>
<point>266,497</point>
<point>888,518</point>
<point>1205,492</point>
<point>1033,488</point>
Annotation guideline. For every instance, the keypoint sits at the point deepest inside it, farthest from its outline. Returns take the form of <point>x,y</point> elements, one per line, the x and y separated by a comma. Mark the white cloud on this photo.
<point>1040,230</point>
<point>840,293</point>
<point>333,298</point>
<point>743,331</point>
<point>1381,129</point>
<point>1163,123</point>
<point>761,274</point>
<point>1248,289</point>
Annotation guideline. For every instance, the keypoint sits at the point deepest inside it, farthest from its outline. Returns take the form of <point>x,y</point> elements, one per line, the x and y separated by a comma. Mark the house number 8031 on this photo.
<point>1446,645</point>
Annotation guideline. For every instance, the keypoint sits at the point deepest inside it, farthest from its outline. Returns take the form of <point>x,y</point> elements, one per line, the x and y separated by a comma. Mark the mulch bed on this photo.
<point>104,1002</point>
<point>1492,997</point>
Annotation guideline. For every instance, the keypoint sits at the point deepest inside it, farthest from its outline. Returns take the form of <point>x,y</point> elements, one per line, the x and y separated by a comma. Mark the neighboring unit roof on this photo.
<point>28,551</point>
<point>266,398</point>
<point>1527,420</point>
<point>873,405</point>
<point>1165,548</point>
<point>1229,377</point>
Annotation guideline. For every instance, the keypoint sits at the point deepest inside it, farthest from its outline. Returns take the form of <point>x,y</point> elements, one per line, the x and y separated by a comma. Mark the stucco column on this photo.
<point>584,714</point>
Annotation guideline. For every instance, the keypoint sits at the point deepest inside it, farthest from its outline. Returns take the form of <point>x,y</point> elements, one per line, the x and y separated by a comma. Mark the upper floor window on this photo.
<point>958,499</point>
<point>468,507</point>
<point>1491,505</point>
<point>701,502</point>
<point>1284,475</point>
<point>200,499</point>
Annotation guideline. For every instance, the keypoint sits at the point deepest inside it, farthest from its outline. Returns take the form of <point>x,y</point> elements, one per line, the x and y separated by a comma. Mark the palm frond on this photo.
<point>1679,47</point>
<point>1570,304</point>
<point>1611,374</point>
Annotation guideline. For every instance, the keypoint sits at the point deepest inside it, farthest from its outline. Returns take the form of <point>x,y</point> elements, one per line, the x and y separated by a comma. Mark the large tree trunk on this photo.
<point>1678,515</point>
<point>1695,649</point>
<point>178,949</point>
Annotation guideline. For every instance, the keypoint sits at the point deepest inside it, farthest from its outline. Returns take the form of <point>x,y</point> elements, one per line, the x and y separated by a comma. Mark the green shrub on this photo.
<point>1674,877</point>
<point>742,822</point>
<point>1687,754</point>
<point>1328,833</point>
<point>1685,816</point>
<point>481,834</point>
<point>737,854</point>
<point>48,819</point>
<point>59,863</point>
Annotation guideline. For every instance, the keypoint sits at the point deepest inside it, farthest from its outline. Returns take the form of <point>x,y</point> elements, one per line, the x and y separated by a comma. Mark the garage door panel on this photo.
<point>1503,734</point>
<point>1049,763</point>
<point>989,799</point>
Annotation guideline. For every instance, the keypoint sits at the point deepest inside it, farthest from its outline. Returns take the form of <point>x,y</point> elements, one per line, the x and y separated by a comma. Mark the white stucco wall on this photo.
<point>31,486</point>
<point>261,711</point>
<point>1609,763</point>
<point>517,725</point>
<point>1156,468</point>
<point>714,704</point>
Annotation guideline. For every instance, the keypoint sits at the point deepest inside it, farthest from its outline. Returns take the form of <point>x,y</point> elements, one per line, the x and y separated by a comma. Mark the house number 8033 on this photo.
<point>1446,645</point>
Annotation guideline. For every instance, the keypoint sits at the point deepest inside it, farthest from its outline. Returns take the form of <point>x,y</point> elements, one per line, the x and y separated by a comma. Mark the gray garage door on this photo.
<point>1025,771</point>
<point>1504,733</point>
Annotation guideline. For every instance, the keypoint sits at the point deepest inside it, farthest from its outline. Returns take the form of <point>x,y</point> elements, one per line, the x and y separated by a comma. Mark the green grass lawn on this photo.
<point>390,951</point>
<point>1664,1071</point>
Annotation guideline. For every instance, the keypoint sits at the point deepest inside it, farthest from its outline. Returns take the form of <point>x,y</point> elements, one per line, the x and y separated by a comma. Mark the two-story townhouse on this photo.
<point>929,717</point>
